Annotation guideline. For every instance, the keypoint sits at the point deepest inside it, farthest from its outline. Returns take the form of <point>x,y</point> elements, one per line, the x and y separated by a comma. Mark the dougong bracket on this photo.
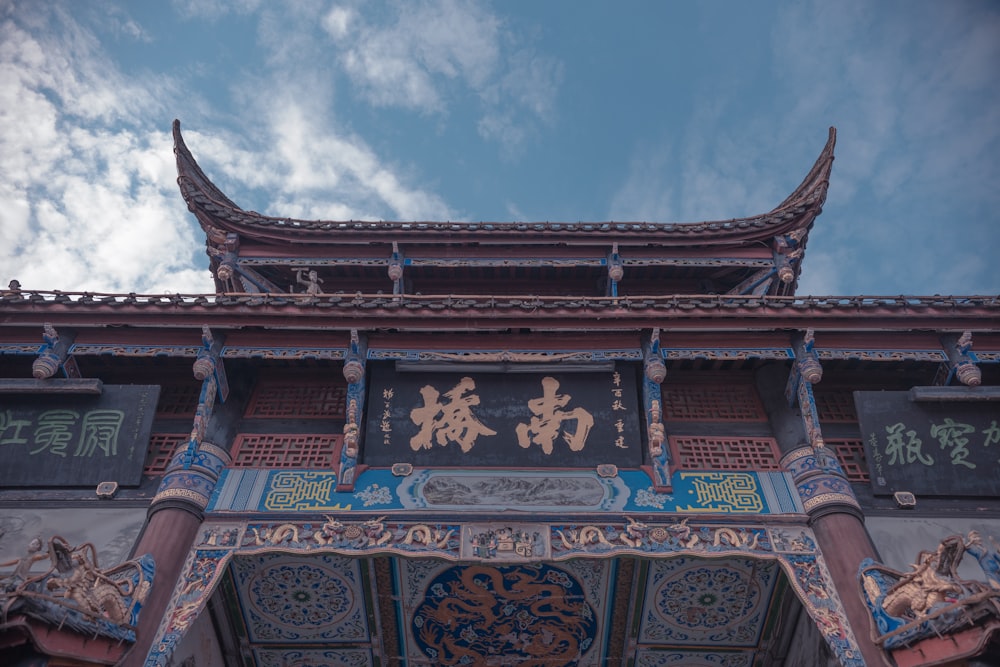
<point>806,372</point>
<point>787,252</point>
<point>354,373</point>
<point>395,269</point>
<point>616,270</point>
<point>654,373</point>
<point>961,362</point>
<point>209,361</point>
<point>55,354</point>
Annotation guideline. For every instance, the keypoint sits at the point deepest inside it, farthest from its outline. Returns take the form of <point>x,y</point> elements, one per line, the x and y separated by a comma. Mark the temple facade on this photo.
<point>400,444</point>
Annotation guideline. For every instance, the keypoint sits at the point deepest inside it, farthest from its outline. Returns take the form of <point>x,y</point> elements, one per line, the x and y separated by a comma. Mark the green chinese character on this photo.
<point>53,431</point>
<point>992,434</point>
<point>10,429</point>
<point>909,450</point>
<point>100,431</point>
<point>951,435</point>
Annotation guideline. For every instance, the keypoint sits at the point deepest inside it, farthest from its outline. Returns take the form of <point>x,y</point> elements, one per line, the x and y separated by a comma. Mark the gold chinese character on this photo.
<point>549,416</point>
<point>450,421</point>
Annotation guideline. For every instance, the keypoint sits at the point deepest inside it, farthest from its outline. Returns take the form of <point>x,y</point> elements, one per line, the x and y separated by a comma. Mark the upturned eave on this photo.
<point>216,212</point>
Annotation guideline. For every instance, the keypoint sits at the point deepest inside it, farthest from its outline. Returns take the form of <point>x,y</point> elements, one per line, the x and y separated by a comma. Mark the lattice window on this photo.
<point>161,449</point>
<point>178,399</point>
<point>297,399</point>
<point>851,455</point>
<point>836,407</point>
<point>715,453</point>
<point>268,450</point>
<point>712,402</point>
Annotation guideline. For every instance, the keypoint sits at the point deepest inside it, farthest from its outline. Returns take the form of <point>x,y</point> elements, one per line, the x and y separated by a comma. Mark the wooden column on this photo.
<point>176,512</point>
<point>834,513</point>
<point>168,534</point>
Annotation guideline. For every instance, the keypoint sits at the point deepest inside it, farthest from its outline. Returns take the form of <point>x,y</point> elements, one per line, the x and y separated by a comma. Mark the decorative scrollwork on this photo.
<point>931,600</point>
<point>75,592</point>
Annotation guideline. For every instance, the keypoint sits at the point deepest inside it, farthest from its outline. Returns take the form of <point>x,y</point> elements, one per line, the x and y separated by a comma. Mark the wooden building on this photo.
<point>452,443</point>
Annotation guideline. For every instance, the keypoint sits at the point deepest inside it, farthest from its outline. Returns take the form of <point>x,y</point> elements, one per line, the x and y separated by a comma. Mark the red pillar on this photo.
<point>844,541</point>
<point>168,536</point>
<point>175,516</point>
<point>836,521</point>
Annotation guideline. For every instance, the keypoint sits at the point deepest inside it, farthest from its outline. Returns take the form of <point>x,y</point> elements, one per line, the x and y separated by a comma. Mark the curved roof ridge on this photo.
<point>818,176</point>
<point>188,169</point>
<point>214,209</point>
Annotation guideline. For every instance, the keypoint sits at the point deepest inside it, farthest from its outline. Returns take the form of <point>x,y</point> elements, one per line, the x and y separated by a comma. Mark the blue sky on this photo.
<point>514,110</point>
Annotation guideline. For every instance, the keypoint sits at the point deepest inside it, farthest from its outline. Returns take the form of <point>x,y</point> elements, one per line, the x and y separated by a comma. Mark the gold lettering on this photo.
<point>549,416</point>
<point>448,421</point>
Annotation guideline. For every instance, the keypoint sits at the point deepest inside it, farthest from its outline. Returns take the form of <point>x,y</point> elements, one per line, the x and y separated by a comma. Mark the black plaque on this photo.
<point>930,448</point>
<point>76,440</point>
<point>503,419</point>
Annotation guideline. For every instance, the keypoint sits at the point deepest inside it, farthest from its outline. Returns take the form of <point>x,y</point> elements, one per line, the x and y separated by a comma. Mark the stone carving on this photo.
<point>74,592</point>
<point>657,538</point>
<point>931,600</point>
<point>286,532</point>
<point>505,543</point>
<point>430,537</point>
<point>312,281</point>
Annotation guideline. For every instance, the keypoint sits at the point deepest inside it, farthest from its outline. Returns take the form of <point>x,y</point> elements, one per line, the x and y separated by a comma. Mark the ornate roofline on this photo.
<point>877,315</point>
<point>216,212</point>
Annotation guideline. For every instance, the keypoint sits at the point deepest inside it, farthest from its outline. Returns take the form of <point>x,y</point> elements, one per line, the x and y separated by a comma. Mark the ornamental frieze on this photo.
<point>379,490</point>
<point>508,541</point>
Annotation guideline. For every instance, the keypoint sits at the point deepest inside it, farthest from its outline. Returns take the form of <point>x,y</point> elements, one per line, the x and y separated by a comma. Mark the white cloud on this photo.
<point>86,204</point>
<point>916,148</point>
<point>913,91</point>
<point>424,55</point>
<point>338,21</point>
<point>402,62</point>
<point>214,9</point>
<point>314,162</point>
<point>88,199</point>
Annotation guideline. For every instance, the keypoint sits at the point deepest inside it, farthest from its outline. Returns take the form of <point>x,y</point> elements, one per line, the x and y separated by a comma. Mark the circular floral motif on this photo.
<point>708,597</point>
<point>519,614</point>
<point>659,534</point>
<point>301,595</point>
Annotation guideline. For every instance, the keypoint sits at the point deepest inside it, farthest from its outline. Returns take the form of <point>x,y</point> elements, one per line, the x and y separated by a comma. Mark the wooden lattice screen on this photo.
<point>161,449</point>
<point>283,399</point>
<point>722,453</point>
<point>712,403</point>
<point>271,450</point>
